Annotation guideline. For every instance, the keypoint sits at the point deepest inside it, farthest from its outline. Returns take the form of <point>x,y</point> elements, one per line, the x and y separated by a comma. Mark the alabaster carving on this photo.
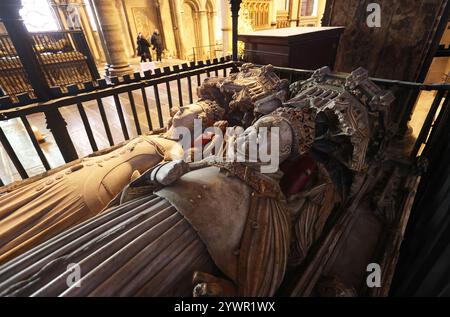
<point>247,94</point>
<point>254,223</point>
<point>217,228</point>
<point>36,212</point>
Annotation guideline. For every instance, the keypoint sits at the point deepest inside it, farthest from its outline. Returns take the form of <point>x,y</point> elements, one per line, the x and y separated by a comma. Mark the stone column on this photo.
<point>108,14</point>
<point>273,14</point>
<point>226,26</point>
<point>177,23</point>
<point>89,32</point>
<point>204,33</point>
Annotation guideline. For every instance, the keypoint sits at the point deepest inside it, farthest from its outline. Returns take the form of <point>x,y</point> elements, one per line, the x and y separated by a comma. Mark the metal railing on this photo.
<point>206,52</point>
<point>127,89</point>
<point>135,87</point>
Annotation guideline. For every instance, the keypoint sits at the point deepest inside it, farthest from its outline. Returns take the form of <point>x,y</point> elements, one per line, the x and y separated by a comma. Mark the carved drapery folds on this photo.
<point>332,127</point>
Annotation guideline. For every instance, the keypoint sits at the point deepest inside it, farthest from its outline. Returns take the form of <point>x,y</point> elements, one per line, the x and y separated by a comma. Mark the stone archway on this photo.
<point>191,26</point>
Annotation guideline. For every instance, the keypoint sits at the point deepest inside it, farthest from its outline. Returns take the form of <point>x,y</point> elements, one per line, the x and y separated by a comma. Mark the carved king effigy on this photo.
<point>226,228</point>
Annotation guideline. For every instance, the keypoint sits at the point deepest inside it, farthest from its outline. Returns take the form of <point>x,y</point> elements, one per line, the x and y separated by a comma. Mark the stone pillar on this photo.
<point>226,26</point>
<point>204,33</point>
<point>273,14</point>
<point>108,14</point>
<point>169,32</point>
<point>177,27</point>
<point>89,32</point>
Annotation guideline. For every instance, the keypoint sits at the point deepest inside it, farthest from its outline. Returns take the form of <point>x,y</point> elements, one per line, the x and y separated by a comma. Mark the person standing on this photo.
<point>157,44</point>
<point>143,48</point>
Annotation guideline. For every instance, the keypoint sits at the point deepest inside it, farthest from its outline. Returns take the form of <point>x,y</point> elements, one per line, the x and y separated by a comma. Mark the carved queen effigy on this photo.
<point>219,228</point>
<point>38,211</point>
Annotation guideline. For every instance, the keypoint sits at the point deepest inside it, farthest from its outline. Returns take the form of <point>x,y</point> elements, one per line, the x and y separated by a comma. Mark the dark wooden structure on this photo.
<point>424,263</point>
<point>297,47</point>
<point>401,48</point>
<point>64,57</point>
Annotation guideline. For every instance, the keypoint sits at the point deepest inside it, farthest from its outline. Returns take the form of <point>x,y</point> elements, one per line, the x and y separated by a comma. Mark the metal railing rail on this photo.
<point>206,52</point>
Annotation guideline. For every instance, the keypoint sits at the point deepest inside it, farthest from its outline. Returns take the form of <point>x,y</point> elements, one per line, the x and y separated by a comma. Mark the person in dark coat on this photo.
<point>157,44</point>
<point>143,48</point>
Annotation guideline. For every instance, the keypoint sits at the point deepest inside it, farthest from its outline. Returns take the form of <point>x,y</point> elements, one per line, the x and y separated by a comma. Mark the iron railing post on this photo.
<point>83,47</point>
<point>235,7</point>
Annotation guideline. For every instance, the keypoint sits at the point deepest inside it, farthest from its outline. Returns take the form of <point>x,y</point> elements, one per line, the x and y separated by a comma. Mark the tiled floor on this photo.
<point>18,137</point>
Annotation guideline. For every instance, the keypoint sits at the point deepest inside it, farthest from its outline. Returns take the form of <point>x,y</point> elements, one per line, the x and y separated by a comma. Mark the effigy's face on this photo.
<point>269,136</point>
<point>186,115</point>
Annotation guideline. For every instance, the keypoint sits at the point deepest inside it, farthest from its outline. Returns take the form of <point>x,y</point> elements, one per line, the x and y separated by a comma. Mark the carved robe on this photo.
<point>36,212</point>
<point>152,245</point>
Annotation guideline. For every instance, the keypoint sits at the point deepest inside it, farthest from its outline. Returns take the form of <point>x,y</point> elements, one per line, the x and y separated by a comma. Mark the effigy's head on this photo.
<point>207,111</point>
<point>286,132</point>
<point>252,85</point>
<point>251,92</point>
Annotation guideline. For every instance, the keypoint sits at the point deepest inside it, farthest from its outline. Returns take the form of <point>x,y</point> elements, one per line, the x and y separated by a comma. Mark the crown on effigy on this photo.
<point>302,122</point>
<point>212,112</point>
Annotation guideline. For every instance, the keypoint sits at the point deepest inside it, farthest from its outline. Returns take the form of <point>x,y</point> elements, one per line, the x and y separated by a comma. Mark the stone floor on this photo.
<point>18,137</point>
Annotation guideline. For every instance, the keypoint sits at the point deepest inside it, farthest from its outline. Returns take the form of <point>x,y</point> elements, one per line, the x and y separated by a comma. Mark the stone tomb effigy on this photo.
<point>213,228</point>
